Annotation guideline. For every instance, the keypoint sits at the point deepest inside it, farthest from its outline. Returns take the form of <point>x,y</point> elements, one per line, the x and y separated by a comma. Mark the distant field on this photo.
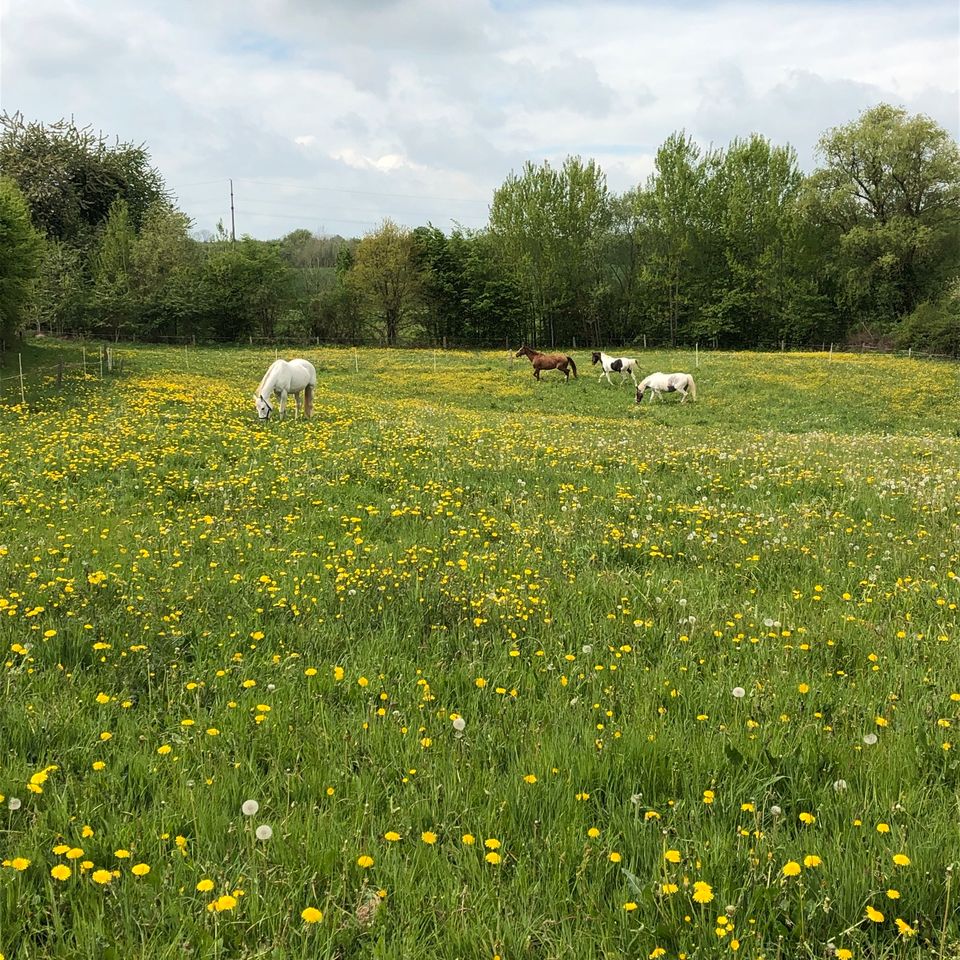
<point>510,669</point>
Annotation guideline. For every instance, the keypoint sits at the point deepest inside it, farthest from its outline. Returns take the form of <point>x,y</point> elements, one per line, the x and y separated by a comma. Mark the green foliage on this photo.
<point>20,258</point>
<point>71,177</point>
<point>890,189</point>
<point>934,327</point>
<point>547,227</point>
<point>387,280</point>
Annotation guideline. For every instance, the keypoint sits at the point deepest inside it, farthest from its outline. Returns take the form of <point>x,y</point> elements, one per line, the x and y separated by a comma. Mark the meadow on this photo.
<point>468,666</point>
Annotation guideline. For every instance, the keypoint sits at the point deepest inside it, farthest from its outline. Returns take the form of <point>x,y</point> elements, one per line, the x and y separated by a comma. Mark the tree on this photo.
<point>112,289</point>
<point>674,210</point>
<point>71,177</point>
<point>890,189</point>
<point>20,256</point>
<point>548,226</point>
<point>387,279</point>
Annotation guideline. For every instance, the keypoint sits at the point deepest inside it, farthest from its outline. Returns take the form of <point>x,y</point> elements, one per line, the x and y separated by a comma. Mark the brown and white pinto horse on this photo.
<point>548,361</point>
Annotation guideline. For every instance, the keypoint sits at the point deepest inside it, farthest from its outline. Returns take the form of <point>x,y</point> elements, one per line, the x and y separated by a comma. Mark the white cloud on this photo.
<point>336,115</point>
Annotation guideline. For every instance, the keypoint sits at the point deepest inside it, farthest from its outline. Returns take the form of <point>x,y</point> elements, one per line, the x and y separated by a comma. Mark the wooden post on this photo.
<point>644,341</point>
<point>444,342</point>
<point>356,360</point>
<point>23,396</point>
<point>696,353</point>
<point>84,361</point>
<point>434,359</point>
<point>831,349</point>
<point>100,354</point>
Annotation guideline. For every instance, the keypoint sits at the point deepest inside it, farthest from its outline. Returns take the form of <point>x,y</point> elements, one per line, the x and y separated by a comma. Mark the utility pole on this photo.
<point>233,226</point>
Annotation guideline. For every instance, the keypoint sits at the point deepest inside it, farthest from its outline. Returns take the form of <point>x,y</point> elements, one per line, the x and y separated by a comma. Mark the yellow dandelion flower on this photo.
<point>702,892</point>
<point>875,915</point>
<point>791,868</point>
<point>428,837</point>
<point>61,872</point>
<point>364,861</point>
<point>311,915</point>
<point>901,860</point>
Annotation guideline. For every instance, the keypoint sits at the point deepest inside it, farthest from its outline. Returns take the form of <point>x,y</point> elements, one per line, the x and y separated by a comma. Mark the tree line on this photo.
<point>734,246</point>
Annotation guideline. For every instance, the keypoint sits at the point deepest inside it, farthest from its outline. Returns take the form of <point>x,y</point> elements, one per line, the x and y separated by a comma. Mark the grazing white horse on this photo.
<point>667,383</point>
<point>284,377</point>
<point>621,365</point>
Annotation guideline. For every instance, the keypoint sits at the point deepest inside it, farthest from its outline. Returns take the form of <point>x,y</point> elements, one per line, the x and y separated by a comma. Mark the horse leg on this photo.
<point>283,404</point>
<point>308,401</point>
<point>606,373</point>
<point>296,400</point>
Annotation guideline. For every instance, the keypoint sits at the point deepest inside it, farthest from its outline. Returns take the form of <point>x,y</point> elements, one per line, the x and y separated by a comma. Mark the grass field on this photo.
<point>502,669</point>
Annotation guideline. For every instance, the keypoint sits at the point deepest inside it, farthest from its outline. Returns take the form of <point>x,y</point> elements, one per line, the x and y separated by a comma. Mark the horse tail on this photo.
<point>308,400</point>
<point>573,366</point>
<point>693,387</point>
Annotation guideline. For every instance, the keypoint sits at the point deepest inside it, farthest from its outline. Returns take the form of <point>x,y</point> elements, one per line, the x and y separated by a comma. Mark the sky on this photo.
<point>332,115</point>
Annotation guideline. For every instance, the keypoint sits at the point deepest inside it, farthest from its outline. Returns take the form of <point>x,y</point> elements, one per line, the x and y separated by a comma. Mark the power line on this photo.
<point>370,193</point>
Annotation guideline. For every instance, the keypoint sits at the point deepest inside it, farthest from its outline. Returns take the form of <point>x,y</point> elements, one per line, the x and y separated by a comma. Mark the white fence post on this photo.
<point>23,396</point>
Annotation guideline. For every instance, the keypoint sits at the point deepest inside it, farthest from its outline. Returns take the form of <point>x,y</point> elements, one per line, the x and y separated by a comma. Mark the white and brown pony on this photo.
<point>284,377</point>
<point>621,365</point>
<point>659,383</point>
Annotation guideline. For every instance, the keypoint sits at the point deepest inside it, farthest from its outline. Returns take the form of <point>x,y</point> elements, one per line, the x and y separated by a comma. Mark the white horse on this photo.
<point>284,377</point>
<point>667,383</point>
<point>621,365</point>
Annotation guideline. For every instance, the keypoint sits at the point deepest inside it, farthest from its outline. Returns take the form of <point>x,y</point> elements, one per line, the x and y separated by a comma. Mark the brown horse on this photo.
<point>548,361</point>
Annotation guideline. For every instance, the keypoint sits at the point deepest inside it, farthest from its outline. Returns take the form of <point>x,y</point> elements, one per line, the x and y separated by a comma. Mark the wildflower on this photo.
<point>469,839</point>
<point>225,902</point>
<point>875,915</point>
<point>61,872</point>
<point>14,803</point>
<point>808,818</point>
<point>428,837</point>
<point>74,853</point>
<point>708,796</point>
<point>839,786</point>
<point>264,832</point>
<point>530,778</point>
<point>459,724</point>
<point>492,843</point>
<point>20,863</point>
<point>672,856</point>
<point>656,951</point>
<point>812,860</point>
<point>791,868</point>
<point>904,928</point>
<point>392,836</point>
<point>164,749</point>
<point>492,857</point>
<point>311,915</point>
<point>844,954</point>
<point>249,807</point>
<point>702,892</point>
<point>102,876</point>
<point>630,905</point>
<point>739,692</point>
<point>870,739</point>
<point>364,861</point>
<point>140,869</point>
<point>98,765</point>
<point>893,894</point>
<point>748,807</point>
<point>775,811</point>
<point>205,885</point>
<point>803,688</point>
<point>615,857</point>
<point>593,833</point>
<point>883,828</point>
<point>121,854</point>
<point>901,860</point>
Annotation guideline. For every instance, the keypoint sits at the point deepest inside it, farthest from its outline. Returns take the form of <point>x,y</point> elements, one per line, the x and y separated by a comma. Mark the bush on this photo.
<point>933,327</point>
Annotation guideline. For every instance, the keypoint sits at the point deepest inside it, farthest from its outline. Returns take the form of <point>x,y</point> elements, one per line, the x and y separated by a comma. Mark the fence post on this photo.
<point>23,396</point>
<point>356,360</point>
<point>434,359</point>
<point>644,341</point>
<point>100,353</point>
<point>84,361</point>
<point>696,353</point>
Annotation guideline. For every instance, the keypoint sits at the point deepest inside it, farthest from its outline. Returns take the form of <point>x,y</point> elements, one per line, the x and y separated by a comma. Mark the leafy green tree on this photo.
<point>71,177</point>
<point>165,268</point>
<point>548,227</point>
<point>935,325</point>
<point>20,257</point>
<point>113,295</point>
<point>673,211</point>
<point>889,188</point>
<point>244,287</point>
<point>387,280</point>
<point>63,300</point>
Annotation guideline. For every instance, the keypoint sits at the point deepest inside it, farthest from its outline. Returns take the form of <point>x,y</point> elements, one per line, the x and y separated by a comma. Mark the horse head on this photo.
<point>596,356</point>
<point>264,409</point>
<point>524,351</point>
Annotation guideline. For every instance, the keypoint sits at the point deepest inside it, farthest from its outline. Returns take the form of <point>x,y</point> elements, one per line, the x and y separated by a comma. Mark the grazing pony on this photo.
<point>284,377</point>
<point>667,383</point>
<point>548,361</point>
<point>621,365</point>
